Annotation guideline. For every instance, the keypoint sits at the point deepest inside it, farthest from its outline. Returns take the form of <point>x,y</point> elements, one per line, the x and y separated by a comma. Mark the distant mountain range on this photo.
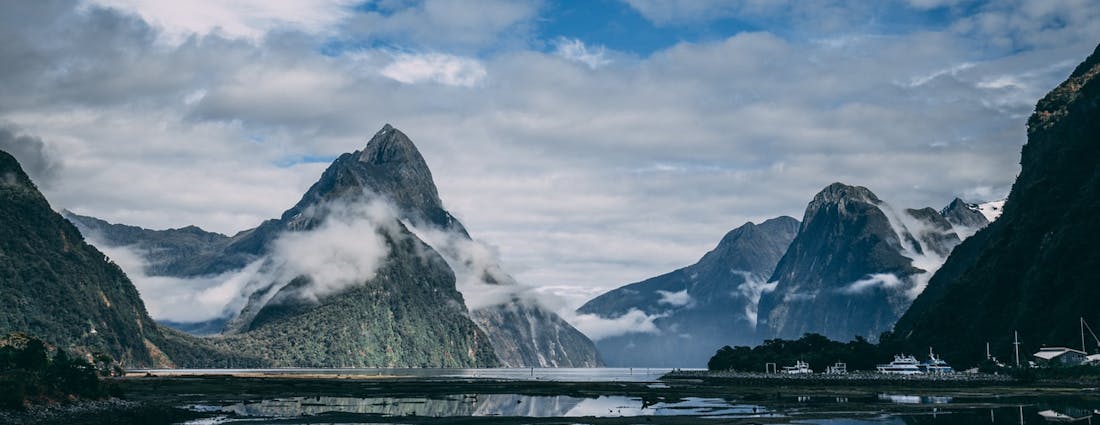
<point>849,269</point>
<point>699,307</point>
<point>407,312</point>
<point>1033,270</point>
<point>854,267</point>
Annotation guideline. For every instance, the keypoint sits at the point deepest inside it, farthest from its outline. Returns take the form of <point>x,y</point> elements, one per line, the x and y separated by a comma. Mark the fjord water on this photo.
<point>609,374</point>
<point>584,396</point>
<point>888,409</point>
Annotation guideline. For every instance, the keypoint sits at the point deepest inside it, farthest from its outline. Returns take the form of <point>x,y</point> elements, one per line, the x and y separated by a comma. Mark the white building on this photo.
<point>1062,356</point>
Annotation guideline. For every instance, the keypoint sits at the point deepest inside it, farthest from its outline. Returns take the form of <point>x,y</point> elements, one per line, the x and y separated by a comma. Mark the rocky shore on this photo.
<point>112,410</point>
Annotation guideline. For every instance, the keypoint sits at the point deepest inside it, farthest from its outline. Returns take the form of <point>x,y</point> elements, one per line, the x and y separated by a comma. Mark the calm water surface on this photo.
<point>884,407</point>
<point>527,374</point>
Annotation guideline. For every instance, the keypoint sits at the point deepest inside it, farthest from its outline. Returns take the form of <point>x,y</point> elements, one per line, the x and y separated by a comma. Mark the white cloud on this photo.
<point>597,328</point>
<point>799,296</point>
<point>916,248</point>
<point>675,299</point>
<point>437,68</point>
<point>877,280</point>
<point>1016,24</point>
<point>178,299</point>
<point>478,274</point>
<point>246,19</point>
<point>753,288</point>
<point>346,249</point>
<point>575,50</point>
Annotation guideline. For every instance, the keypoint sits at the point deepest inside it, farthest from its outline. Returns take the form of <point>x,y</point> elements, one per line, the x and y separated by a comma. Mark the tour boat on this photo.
<point>902,365</point>
<point>935,364</point>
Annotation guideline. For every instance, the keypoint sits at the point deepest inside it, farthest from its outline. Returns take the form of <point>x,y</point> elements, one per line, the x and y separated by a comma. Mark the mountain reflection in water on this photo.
<point>489,405</point>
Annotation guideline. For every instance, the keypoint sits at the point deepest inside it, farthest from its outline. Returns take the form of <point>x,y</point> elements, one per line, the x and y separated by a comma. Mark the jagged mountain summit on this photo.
<point>854,267</point>
<point>1033,270</point>
<point>372,211</point>
<point>705,305</point>
<point>58,287</point>
<point>391,168</point>
<point>966,215</point>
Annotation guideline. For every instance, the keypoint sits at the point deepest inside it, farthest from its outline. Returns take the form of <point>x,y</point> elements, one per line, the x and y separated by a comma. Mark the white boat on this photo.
<point>902,365</point>
<point>837,369</point>
<point>798,368</point>
<point>1067,416</point>
<point>935,365</point>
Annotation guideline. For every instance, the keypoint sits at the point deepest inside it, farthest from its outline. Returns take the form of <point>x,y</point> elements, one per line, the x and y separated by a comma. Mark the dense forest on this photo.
<point>32,372</point>
<point>815,349</point>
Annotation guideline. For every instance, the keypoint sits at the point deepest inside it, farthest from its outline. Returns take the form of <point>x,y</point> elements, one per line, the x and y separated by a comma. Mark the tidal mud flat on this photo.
<point>675,399</point>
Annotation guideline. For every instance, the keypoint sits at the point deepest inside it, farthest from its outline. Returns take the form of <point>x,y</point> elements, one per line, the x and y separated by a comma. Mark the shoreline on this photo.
<point>145,397</point>
<point>873,379</point>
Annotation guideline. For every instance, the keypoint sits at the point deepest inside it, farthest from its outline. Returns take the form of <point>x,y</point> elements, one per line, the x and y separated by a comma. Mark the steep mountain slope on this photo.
<point>56,286</point>
<point>392,169</point>
<point>854,266</point>
<point>1033,270</point>
<point>705,305</point>
<point>384,191</point>
<point>343,282</point>
<point>61,289</point>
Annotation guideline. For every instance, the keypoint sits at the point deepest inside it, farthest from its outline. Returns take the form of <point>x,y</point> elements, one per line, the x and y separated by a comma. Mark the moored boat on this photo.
<point>798,368</point>
<point>902,365</point>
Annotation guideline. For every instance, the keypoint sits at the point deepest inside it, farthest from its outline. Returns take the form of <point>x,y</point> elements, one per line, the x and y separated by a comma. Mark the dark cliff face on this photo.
<point>1033,270</point>
<point>845,274</point>
<point>706,305</point>
<point>63,290</point>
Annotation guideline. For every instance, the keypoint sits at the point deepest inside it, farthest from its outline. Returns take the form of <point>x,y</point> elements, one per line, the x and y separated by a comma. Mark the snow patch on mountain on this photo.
<point>992,209</point>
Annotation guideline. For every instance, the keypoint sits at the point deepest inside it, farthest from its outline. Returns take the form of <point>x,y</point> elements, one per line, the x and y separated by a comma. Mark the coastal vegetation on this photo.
<point>31,372</point>
<point>815,349</point>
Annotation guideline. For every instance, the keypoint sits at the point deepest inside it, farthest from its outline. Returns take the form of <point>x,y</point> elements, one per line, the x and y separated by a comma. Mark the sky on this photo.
<point>591,143</point>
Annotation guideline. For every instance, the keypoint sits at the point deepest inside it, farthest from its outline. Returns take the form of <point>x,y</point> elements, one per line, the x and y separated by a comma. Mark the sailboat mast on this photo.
<point>1017,344</point>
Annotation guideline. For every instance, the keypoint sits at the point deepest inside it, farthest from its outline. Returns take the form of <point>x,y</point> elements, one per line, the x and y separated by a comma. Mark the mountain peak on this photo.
<point>957,203</point>
<point>966,217</point>
<point>837,192</point>
<point>390,145</point>
<point>839,197</point>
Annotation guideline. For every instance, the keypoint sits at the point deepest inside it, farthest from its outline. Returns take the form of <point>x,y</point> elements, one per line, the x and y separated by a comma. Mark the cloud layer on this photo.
<point>587,167</point>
